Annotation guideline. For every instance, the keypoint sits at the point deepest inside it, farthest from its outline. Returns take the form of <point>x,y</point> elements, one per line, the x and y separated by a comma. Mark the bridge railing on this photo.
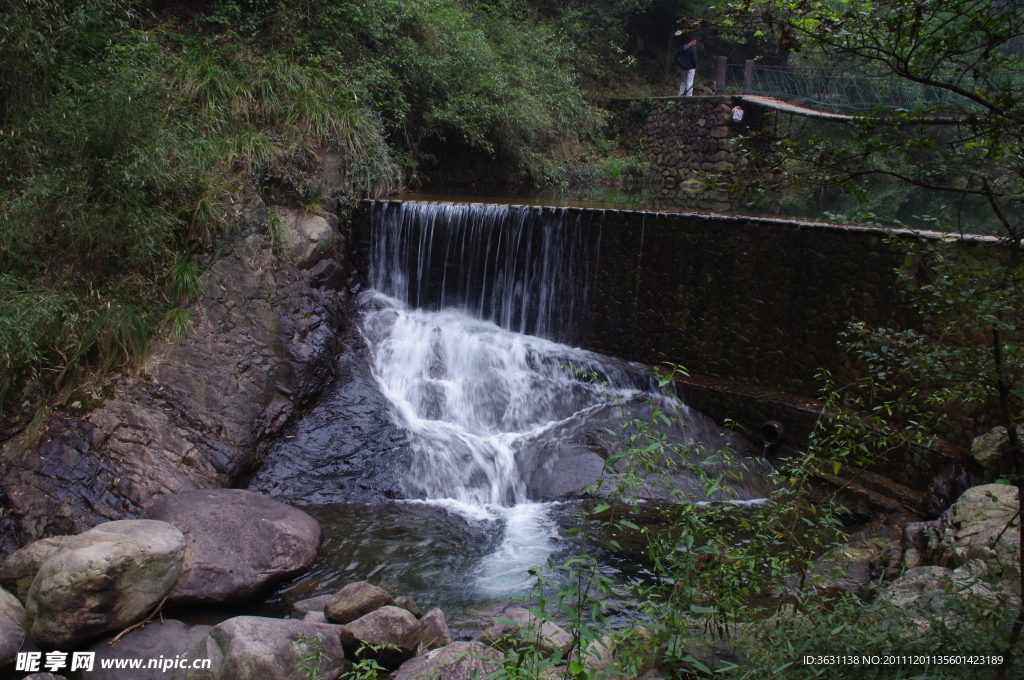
<point>830,88</point>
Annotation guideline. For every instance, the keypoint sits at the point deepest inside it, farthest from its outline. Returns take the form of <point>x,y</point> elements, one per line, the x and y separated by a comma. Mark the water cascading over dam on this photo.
<point>457,390</point>
<point>526,269</point>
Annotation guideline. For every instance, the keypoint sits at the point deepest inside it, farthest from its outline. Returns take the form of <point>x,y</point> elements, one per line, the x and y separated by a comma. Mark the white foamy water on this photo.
<point>498,421</point>
<point>481,406</point>
<point>530,537</point>
<point>476,399</point>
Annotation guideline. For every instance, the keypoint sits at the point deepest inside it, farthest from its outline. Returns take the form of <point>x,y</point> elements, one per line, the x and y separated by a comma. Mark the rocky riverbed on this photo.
<point>103,591</point>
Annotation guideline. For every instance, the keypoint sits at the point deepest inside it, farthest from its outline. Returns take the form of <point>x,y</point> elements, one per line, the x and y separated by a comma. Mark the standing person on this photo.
<point>686,58</point>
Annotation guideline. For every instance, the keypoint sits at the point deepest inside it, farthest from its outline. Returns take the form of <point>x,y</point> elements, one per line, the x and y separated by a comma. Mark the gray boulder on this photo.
<point>256,648</point>
<point>356,600</point>
<point>409,605</point>
<point>990,449</point>
<point>19,569</point>
<point>932,588</point>
<point>457,661</point>
<point>434,631</point>
<point>394,632</point>
<point>523,625</point>
<point>107,579</point>
<point>310,605</point>
<point>44,676</point>
<point>12,626</point>
<point>980,516</point>
<point>308,236</point>
<point>168,639</point>
<point>237,543</point>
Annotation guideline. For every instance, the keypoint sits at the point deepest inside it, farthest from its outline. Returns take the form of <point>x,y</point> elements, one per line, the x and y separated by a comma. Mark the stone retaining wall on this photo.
<point>755,300</point>
<point>693,143</point>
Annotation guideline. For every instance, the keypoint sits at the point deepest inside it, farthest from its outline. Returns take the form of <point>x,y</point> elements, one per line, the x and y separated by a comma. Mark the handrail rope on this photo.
<point>827,88</point>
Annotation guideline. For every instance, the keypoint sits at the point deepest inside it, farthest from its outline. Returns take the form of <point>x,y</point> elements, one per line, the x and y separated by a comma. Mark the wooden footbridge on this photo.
<point>829,95</point>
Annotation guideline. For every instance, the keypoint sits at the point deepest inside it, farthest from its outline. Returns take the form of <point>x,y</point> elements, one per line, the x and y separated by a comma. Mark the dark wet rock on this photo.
<point>12,626</point>
<point>457,661</point>
<point>393,630</point>
<point>312,604</point>
<point>19,569</point>
<point>948,485</point>
<point>356,600</point>
<point>238,542</point>
<point>251,647</point>
<point>328,274</point>
<point>263,346</point>
<point>168,639</point>
<point>346,448</point>
<point>868,495</point>
<point>521,624</point>
<point>434,631</point>
<point>107,579</point>
<point>409,605</point>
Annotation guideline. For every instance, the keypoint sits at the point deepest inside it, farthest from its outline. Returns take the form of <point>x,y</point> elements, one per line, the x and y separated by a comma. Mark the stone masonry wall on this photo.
<point>693,143</point>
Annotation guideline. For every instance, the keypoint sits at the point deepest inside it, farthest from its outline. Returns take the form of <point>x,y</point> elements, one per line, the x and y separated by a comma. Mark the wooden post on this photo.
<point>720,73</point>
<point>748,75</point>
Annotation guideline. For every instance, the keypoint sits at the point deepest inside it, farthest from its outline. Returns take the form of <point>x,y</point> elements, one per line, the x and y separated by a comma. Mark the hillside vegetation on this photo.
<point>124,123</point>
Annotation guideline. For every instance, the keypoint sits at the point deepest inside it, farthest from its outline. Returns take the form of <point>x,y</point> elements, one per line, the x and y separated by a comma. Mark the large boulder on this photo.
<point>19,569</point>
<point>12,626</point>
<point>980,516</point>
<point>392,632</point>
<point>932,588</point>
<point>356,600</point>
<point>107,579</point>
<point>457,661</point>
<point>237,542</point>
<point>308,236</point>
<point>168,639</point>
<point>991,448</point>
<point>521,624</point>
<point>253,647</point>
<point>434,632</point>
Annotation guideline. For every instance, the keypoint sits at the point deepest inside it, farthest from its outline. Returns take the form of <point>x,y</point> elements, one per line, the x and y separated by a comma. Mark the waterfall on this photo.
<point>469,307</point>
<point>459,399</point>
<point>486,408</point>
<point>527,269</point>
